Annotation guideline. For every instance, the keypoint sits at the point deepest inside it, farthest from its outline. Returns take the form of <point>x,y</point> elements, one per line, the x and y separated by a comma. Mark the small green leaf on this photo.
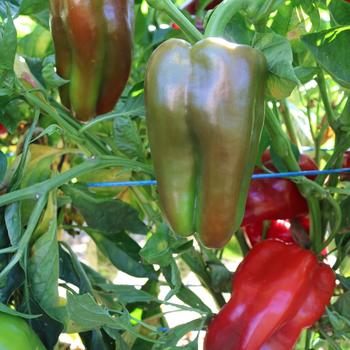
<point>278,52</point>
<point>13,222</point>
<point>123,252</point>
<point>110,216</point>
<point>51,78</point>
<point>342,305</point>
<point>30,7</point>
<point>171,338</point>
<point>8,44</point>
<point>43,263</point>
<point>4,308</point>
<point>340,11</point>
<point>3,165</point>
<point>127,138</point>
<point>128,294</point>
<point>85,314</point>
<point>157,250</point>
<point>331,50</point>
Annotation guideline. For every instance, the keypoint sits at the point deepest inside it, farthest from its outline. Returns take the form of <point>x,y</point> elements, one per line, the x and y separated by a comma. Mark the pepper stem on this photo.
<point>192,33</point>
<point>221,16</point>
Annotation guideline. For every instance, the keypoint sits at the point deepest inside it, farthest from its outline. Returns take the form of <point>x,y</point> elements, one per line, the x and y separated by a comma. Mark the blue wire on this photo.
<point>255,176</point>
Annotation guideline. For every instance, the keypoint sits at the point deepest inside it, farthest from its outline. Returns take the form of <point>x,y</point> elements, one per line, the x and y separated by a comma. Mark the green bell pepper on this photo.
<point>16,334</point>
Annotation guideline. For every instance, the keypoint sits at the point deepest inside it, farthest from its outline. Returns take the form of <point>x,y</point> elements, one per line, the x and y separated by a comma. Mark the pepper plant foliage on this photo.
<point>48,158</point>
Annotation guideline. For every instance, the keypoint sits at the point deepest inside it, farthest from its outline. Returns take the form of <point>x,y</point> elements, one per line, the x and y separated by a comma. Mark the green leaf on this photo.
<point>340,11</point>
<point>123,251</point>
<point>176,280</point>
<point>13,222</point>
<point>171,338</point>
<point>331,50</point>
<point>8,44</point>
<point>4,308</point>
<point>5,5</point>
<point>345,281</point>
<point>110,216</point>
<point>339,323</point>
<point>194,261</point>
<point>37,43</point>
<point>120,343</point>
<point>342,305</point>
<point>192,299</point>
<point>127,138</point>
<point>278,52</point>
<point>128,294</point>
<point>305,74</point>
<point>29,7</point>
<point>85,314</point>
<point>157,250</point>
<point>282,19</point>
<point>3,165</point>
<point>51,78</point>
<point>44,265</point>
<point>237,31</point>
<point>312,10</point>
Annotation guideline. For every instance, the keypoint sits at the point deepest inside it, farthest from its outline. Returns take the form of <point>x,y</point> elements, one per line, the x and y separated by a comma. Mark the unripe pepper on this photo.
<point>93,43</point>
<point>278,290</point>
<point>16,334</point>
<point>204,112</point>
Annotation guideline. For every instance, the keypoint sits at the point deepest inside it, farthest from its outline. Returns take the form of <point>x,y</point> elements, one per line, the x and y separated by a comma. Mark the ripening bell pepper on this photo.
<point>273,199</point>
<point>278,290</point>
<point>93,44</point>
<point>204,112</point>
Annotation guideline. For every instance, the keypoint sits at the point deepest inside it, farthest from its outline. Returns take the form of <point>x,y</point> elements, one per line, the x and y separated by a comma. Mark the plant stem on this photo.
<point>44,187</point>
<point>284,149</point>
<point>289,123</point>
<point>221,16</point>
<point>79,270</point>
<point>86,143</point>
<point>326,103</point>
<point>166,6</point>
<point>24,241</point>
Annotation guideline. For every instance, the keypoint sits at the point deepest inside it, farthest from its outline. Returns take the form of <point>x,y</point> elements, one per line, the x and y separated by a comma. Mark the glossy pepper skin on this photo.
<point>273,199</point>
<point>93,44</point>
<point>16,334</point>
<point>204,112</point>
<point>277,229</point>
<point>278,290</point>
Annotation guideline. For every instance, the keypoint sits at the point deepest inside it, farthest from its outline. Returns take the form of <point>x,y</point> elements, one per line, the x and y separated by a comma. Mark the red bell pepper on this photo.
<point>3,130</point>
<point>278,290</point>
<point>346,164</point>
<point>192,6</point>
<point>273,199</point>
<point>277,229</point>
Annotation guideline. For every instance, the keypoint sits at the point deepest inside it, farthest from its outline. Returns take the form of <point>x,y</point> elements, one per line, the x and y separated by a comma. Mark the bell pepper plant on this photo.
<point>126,177</point>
